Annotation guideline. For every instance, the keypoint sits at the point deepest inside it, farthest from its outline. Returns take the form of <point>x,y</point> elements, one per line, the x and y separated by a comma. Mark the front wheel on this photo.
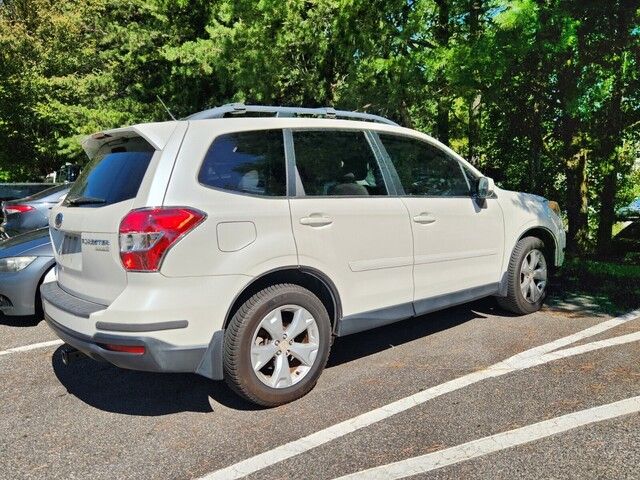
<point>527,277</point>
<point>276,345</point>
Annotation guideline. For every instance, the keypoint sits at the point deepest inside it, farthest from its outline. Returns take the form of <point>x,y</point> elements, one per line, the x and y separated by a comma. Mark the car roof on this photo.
<point>158,133</point>
<point>236,109</point>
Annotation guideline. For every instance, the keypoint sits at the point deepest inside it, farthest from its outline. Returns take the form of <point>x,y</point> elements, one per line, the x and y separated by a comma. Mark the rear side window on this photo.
<point>246,162</point>
<point>334,162</point>
<point>424,169</point>
<point>113,175</point>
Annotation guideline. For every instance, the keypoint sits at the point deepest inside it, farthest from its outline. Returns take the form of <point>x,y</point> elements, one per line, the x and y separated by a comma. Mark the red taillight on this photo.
<point>148,233</point>
<point>135,349</point>
<point>9,209</point>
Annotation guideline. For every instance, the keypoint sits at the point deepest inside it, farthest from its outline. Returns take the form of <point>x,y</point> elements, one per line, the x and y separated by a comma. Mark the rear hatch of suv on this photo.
<point>85,227</point>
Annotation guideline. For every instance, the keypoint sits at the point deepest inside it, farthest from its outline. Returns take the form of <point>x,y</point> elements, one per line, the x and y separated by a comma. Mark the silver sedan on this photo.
<point>26,261</point>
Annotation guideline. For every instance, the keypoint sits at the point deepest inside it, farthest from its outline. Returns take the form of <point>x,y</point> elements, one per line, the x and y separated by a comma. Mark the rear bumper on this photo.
<point>158,356</point>
<point>71,318</point>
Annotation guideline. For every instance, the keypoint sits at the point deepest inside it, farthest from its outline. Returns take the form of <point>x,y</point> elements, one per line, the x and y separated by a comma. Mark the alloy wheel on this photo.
<point>533,276</point>
<point>284,346</point>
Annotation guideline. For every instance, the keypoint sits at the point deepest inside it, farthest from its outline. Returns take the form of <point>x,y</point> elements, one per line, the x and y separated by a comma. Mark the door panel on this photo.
<point>460,249</point>
<point>365,248</point>
<point>346,225</point>
<point>458,241</point>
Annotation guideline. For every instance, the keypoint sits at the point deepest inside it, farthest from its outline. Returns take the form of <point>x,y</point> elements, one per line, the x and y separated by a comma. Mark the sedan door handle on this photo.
<point>424,218</point>
<point>316,221</point>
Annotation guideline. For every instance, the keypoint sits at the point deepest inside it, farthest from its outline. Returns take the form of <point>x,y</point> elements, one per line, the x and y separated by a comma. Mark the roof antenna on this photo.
<point>165,107</point>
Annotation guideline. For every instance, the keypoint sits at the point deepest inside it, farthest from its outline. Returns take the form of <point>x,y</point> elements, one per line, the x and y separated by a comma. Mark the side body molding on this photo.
<point>386,316</point>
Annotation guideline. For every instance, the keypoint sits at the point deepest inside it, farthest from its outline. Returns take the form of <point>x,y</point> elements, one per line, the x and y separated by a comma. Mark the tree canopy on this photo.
<point>542,95</point>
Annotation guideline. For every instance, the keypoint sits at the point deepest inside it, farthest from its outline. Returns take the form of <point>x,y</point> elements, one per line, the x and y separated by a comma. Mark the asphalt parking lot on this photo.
<point>464,393</point>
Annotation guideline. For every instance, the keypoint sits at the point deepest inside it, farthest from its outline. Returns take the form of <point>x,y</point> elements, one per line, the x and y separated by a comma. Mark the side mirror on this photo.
<point>484,188</point>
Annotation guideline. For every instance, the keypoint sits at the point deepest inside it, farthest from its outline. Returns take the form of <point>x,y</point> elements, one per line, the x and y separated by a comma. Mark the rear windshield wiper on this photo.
<point>86,201</point>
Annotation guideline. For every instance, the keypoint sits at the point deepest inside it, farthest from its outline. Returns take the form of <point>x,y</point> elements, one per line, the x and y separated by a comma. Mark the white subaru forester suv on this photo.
<point>238,242</point>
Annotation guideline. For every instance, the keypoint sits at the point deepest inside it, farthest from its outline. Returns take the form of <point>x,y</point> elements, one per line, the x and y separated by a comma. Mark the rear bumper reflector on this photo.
<point>133,349</point>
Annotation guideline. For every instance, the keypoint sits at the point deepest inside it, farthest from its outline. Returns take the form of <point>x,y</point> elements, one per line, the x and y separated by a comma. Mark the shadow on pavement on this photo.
<point>352,347</point>
<point>129,392</point>
<point>116,390</point>
<point>20,321</point>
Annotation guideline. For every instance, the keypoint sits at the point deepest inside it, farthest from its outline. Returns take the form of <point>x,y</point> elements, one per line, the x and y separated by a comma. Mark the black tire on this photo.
<point>515,301</point>
<point>238,371</point>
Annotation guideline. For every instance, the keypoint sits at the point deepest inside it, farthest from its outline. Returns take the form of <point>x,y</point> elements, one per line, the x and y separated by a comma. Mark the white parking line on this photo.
<point>520,361</point>
<point>33,346</point>
<point>497,442</point>
<point>587,347</point>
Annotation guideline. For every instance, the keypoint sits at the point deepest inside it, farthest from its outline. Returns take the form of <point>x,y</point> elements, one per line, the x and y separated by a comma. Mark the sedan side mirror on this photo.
<point>485,188</point>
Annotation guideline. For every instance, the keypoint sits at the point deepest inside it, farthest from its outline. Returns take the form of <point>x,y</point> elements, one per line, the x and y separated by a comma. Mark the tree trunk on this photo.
<point>537,143</point>
<point>575,157</point>
<point>578,234</point>
<point>442,120</point>
<point>607,213</point>
<point>443,34</point>
<point>473,130</point>
<point>614,126</point>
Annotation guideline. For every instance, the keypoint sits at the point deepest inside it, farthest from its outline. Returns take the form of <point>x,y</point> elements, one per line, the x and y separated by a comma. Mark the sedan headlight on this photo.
<point>15,264</point>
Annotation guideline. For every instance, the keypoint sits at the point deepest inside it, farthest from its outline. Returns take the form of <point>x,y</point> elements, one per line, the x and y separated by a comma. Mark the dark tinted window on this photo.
<point>425,169</point>
<point>15,191</point>
<point>112,176</point>
<point>334,162</point>
<point>247,162</point>
<point>53,192</point>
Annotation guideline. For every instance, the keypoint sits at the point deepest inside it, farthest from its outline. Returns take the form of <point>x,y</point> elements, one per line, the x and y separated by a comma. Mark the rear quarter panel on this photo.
<point>242,234</point>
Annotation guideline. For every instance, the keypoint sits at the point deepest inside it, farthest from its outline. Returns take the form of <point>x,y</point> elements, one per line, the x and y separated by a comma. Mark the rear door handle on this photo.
<point>316,220</point>
<point>424,218</point>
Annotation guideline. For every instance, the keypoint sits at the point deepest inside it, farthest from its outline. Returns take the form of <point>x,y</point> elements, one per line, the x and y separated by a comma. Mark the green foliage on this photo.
<point>522,87</point>
<point>615,282</point>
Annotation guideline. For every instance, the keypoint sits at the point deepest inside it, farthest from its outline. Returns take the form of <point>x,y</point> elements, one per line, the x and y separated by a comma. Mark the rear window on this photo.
<point>246,162</point>
<point>16,191</point>
<point>53,191</point>
<point>112,176</point>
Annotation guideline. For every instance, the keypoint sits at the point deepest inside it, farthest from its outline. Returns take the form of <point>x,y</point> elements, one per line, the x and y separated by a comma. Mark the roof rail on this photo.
<point>325,112</point>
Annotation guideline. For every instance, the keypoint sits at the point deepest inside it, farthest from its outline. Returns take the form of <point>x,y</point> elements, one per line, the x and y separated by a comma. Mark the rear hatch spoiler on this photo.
<point>157,134</point>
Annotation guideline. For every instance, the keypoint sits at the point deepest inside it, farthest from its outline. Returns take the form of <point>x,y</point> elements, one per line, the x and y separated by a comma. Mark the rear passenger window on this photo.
<point>333,162</point>
<point>246,162</point>
<point>424,169</point>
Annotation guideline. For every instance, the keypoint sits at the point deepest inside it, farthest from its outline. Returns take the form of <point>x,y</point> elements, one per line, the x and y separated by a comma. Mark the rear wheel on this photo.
<point>527,277</point>
<point>276,345</point>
